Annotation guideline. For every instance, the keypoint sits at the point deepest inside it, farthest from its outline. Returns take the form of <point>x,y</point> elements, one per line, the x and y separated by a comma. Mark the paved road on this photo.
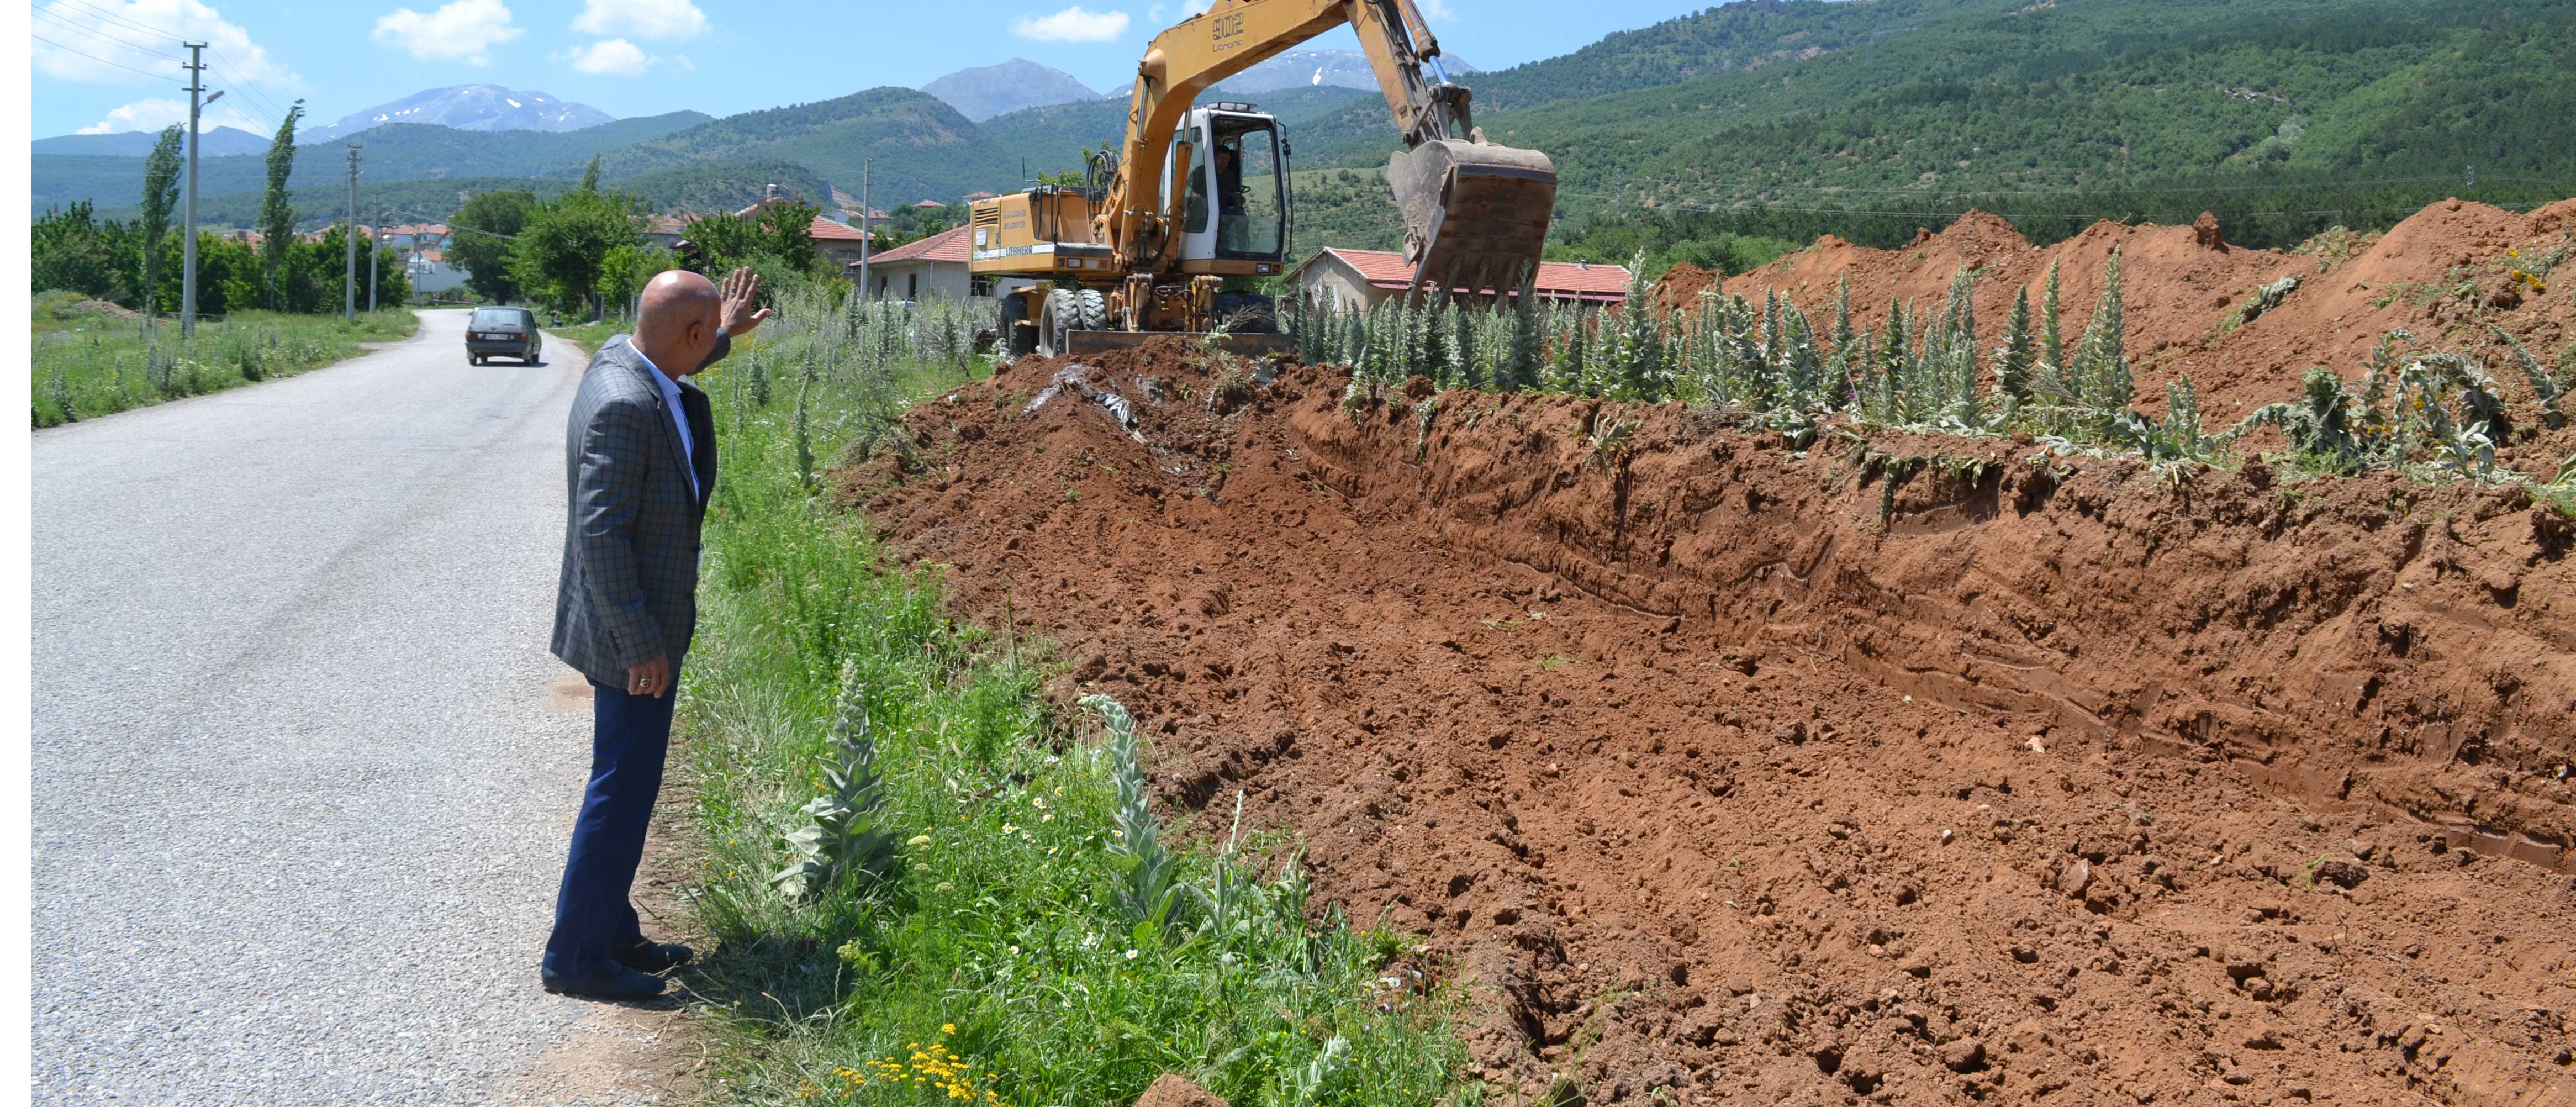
<point>303,768</point>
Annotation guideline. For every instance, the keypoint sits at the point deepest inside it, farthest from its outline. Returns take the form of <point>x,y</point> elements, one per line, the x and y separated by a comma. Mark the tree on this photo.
<point>276,215</point>
<point>783,233</point>
<point>72,250</point>
<point>590,175</point>
<point>480,244</point>
<point>160,193</point>
<point>558,255</point>
<point>623,272</point>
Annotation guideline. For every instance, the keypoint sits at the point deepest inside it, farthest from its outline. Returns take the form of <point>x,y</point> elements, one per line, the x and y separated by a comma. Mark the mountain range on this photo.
<point>466,108</point>
<point>216,142</point>
<point>1902,105</point>
<point>986,91</point>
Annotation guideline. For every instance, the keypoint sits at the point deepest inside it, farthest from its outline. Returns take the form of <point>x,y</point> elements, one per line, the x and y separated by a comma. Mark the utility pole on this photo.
<point>375,240</point>
<point>867,224</point>
<point>349,280</point>
<point>188,245</point>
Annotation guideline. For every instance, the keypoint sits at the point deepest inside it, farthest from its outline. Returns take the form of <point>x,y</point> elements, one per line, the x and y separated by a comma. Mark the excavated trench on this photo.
<point>1899,769</point>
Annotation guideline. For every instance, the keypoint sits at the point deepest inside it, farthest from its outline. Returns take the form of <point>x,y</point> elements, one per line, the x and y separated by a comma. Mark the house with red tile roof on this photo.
<point>1366,278</point>
<point>836,243</point>
<point>934,265</point>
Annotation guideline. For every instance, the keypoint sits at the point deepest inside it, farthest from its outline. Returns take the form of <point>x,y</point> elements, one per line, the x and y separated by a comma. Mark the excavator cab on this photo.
<point>1234,220</point>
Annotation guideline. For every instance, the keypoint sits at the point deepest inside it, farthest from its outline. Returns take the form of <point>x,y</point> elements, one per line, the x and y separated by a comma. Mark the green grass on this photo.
<point>86,363</point>
<point>588,336</point>
<point>996,964</point>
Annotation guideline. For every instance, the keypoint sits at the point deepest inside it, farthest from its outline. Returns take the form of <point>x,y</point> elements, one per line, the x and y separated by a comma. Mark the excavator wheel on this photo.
<point>1061,313</point>
<point>1015,338</point>
<point>1093,309</point>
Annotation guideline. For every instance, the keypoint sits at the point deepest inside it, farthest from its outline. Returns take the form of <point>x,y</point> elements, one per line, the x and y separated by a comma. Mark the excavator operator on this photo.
<point>1232,226</point>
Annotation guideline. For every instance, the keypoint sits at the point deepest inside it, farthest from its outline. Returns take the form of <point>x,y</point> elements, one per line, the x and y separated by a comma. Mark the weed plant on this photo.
<point>1035,939</point>
<point>2432,414</point>
<point>87,363</point>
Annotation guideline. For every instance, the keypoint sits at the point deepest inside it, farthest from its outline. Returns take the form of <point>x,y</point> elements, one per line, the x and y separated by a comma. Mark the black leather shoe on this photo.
<point>615,982</point>
<point>649,956</point>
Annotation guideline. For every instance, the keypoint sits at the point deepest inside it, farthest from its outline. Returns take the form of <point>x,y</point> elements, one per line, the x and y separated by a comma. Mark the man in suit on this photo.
<point>640,460</point>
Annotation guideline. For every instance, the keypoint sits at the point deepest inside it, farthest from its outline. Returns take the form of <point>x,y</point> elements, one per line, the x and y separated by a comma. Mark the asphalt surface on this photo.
<point>303,767</point>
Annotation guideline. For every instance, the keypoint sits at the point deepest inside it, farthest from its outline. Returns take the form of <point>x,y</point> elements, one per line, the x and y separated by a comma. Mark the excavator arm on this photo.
<point>1475,214</point>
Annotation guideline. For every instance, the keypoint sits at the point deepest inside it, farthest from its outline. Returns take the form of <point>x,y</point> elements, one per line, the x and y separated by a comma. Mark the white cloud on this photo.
<point>641,18</point>
<point>462,30</point>
<point>145,35</point>
<point>154,113</point>
<point>1074,24</point>
<point>614,57</point>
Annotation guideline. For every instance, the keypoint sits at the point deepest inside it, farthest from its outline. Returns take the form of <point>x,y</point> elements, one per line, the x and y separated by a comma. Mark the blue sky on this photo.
<point>110,65</point>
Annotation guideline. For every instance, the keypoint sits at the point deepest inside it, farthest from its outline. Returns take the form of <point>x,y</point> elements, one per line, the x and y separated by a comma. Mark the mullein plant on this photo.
<point>844,844</point>
<point>1767,363</point>
<point>1148,893</point>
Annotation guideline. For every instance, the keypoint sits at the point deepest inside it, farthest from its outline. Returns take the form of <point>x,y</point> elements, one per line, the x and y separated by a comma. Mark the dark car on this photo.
<point>503,332</point>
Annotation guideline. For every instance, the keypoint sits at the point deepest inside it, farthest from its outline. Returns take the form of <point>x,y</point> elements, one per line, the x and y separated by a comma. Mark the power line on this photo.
<point>103,36</point>
<point>252,87</point>
<point>94,57</point>
<point>103,13</point>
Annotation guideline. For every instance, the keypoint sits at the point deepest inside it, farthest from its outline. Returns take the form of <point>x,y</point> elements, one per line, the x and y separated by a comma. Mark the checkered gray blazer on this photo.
<point>629,591</point>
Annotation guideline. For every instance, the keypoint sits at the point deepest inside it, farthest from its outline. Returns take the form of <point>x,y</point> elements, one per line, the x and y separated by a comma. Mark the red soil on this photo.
<point>2180,291</point>
<point>1720,772</point>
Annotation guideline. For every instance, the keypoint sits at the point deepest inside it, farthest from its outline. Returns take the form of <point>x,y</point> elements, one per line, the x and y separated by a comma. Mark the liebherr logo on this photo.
<point>1226,34</point>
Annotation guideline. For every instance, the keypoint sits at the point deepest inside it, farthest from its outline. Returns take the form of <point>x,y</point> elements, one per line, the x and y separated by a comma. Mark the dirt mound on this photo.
<point>2443,274</point>
<point>1681,286</point>
<point>1900,769</point>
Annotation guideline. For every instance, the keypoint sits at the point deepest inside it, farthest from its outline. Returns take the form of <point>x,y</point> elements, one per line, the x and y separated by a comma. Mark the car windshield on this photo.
<point>498,317</point>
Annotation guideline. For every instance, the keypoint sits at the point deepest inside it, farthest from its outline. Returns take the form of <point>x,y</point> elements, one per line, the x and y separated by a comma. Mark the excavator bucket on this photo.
<point>1475,214</point>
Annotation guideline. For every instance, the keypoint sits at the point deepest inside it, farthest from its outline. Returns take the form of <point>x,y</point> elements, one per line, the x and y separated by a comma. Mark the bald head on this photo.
<point>676,326</point>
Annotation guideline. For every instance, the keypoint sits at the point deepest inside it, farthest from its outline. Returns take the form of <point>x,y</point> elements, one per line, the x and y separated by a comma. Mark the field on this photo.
<point>92,359</point>
<point>1727,730</point>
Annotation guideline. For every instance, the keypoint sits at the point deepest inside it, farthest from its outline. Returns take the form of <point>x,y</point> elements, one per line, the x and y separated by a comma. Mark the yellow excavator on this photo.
<point>1194,196</point>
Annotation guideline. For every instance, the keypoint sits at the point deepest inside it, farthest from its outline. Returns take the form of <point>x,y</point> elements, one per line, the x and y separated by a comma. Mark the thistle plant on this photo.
<point>1148,893</point>
<point>843,841</point>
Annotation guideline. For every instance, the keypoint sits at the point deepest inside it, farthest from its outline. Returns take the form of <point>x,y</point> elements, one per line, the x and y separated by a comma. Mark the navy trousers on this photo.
<point>630,737</point>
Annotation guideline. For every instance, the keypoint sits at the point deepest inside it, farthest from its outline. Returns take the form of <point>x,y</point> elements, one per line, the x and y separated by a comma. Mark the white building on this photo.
<point>431,273</point>
<point>931,266</point>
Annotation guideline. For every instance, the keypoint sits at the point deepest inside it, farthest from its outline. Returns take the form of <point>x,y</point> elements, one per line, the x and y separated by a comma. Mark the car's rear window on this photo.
<point>499,317</point>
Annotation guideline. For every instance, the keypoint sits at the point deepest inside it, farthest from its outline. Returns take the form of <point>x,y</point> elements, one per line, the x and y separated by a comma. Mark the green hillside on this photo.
<point>921,147</point>
<point>699,187</point>
<point>1773,118</point>
<point>391,153</point>
<point>1900,101</point>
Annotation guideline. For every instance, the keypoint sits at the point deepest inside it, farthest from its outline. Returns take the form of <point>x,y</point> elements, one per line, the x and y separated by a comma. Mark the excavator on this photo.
<point>1196,196</point>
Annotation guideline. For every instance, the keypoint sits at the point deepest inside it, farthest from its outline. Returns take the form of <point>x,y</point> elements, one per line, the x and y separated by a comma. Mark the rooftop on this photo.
<point>1386,269</point>
<point>948,245</point>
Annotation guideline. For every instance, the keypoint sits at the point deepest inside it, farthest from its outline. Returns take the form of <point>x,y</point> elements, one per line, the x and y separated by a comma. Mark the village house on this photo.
<point>665,231</point>
<point>837,244</point>
<point>934,265</point>
<point>1337,277</point>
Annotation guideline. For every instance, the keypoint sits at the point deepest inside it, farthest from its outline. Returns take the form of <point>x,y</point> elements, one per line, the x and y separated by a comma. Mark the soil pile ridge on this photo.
<point>2444,274</point>
<point>1901,769</point>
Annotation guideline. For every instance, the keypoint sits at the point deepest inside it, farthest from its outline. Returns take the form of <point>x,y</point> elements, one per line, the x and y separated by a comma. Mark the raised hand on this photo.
<point>741,297</point>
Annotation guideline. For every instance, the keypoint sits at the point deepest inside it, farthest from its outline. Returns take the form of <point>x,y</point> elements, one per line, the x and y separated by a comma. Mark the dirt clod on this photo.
<point>1174,1090</point>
